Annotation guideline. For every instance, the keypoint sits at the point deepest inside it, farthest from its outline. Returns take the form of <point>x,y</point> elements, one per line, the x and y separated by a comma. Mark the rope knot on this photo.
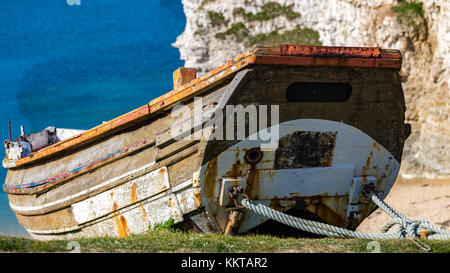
<point>411,228</point>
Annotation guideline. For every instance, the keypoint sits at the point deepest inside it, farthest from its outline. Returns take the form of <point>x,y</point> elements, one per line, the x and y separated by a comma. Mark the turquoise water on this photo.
<point>76,66</point>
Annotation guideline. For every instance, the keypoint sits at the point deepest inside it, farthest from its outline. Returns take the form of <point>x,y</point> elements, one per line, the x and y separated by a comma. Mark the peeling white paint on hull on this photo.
<point>121,216</point>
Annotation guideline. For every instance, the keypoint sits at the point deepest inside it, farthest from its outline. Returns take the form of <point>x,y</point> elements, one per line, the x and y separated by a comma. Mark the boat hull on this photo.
<point>140,176</point>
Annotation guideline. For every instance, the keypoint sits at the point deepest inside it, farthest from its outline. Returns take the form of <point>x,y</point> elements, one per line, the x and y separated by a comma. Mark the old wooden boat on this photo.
<point>334,114</point>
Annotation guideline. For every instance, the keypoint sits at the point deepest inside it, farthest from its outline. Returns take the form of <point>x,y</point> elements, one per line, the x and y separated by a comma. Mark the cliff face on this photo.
<point>219,30</point>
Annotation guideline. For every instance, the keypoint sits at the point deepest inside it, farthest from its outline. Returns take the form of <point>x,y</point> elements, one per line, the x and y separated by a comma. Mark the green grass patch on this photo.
<point>268,11</point>
<point>168,225</point>
<point>178,241</point>
<point>217,19</point>
<point>239,31</point>
<point>12,244</point>
<point>305,36</point>
<point>409,12</point>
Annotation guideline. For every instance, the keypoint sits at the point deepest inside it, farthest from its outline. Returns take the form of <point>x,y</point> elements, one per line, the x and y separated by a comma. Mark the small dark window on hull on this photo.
<point>319,92</point>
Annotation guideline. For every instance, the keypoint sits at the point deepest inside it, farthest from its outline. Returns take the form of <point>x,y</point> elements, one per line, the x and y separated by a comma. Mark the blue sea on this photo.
<point>74,66</point>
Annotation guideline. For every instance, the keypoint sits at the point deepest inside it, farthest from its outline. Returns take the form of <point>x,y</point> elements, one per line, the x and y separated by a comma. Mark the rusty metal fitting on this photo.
<point>253,156</point>
<point>234,192</point>
<point>367,189</point>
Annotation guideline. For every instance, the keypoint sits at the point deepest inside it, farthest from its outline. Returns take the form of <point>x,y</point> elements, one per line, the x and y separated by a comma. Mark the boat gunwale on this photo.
<point>112,183</point>
<point>297,55</point>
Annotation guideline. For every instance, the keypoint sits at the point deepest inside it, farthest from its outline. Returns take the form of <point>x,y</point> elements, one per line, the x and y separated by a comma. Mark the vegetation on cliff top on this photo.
<point>217,19</point>
<point>238,30</point>
<point>268,11</point>
<point>241,33</point>
<point>304,36</point>
<point>410,12</point>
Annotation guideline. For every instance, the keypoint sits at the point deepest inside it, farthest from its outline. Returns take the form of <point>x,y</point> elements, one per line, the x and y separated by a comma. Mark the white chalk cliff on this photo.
<point>423,38</point>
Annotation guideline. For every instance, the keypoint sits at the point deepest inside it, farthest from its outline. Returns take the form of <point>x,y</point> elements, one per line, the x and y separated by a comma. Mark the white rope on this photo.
<point>409,227</point>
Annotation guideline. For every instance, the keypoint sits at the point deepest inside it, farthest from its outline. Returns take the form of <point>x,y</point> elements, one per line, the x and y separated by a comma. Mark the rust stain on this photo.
<point>253,189</point>
<point>210,178</point>
<point>326,213</point>
<point>326,208</point>
<point>329,215</point>
<point>134,197</point>
<point>326,61</point>
<point>275,204</point>
<point>197,199</point>
<point>233,222</point>
<point>306,50</point>
<point>377,146</point>
<point>144,213</point>
<point>195,181</point>
<point>386,168</point>
<point>120,221</point>
<point>235,169</point>
<point>176,215</point>
<point>122,227</point>
<point>367,165</point>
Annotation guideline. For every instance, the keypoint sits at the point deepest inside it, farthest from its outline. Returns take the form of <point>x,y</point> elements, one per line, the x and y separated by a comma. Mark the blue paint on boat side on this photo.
<point>66,174</point>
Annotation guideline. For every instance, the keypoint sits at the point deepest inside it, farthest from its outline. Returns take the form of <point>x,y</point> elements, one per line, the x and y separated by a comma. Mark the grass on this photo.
<point>268,11</point>
<point>168,240</point>
<point>238,30</point>
<point>217,19</point>
<point>305,36</point>
<point>168,225</point>
<point>410,12</point>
